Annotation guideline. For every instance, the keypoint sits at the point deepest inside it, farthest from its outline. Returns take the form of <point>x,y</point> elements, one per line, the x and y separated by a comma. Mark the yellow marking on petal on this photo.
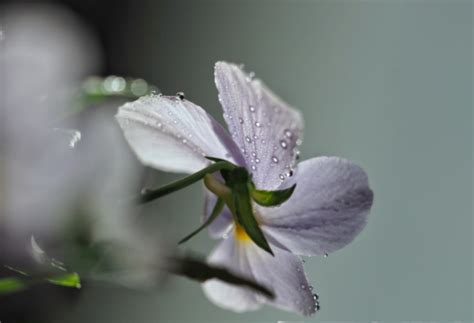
<point>240,234</point>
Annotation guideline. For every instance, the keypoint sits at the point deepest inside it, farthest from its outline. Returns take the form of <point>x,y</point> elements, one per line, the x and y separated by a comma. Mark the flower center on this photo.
<point>240,234</point>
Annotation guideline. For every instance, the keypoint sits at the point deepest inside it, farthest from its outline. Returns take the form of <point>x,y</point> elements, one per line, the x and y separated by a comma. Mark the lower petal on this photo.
<point>282,273</point>
<point>238,299</point>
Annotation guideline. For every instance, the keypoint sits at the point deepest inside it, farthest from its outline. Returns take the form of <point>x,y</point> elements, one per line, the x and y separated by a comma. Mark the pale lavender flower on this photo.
<point>328,208</point>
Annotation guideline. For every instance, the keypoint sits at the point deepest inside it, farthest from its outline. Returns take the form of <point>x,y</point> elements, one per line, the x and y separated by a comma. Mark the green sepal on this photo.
<point>215,212</point>
<point>238,180</point>
<point>10,285</point>
<point>270,198</point>
<point>66,280</point>
<point>152,194</point>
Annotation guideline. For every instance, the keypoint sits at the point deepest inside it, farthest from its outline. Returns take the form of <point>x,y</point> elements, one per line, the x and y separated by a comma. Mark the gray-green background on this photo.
<point>384,83</point>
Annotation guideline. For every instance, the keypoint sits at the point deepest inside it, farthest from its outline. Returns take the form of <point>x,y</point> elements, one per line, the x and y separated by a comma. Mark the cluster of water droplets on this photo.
<point>168,123</point>
<point>316,307</point>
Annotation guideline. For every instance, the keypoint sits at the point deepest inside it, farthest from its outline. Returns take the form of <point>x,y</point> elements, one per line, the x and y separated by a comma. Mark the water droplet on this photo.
<point>283,144</point>
<point>275,159</point>
<point>326,255</point>
<point>263,141</point>
<point>255,137</point>
<point>247,139</point>
<point>253,167</point>
<point>73,136</point>
<point>288,133</point>
<point>139,87</point>
<point>253,153</point>
<point>257,160</point>
<point>297,155</point>
<point>114,84</point>
<point>303,286</point>
<point>290,173</point>
<point>258,124</point>
<point>251,108</point>
<point>243,151</point>
<point>184,141</point>
<point>181,95</point>
<point>144,191</point>
<point>315,297</point>
<point>317,307</point>
<point>250,76</point>
<point>241,121</point>
<point>299,142</point>
<point>282,177</point>
<point>310,287</point>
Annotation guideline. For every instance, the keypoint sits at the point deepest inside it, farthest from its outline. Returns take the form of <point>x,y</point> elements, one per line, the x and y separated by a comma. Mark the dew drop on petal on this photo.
<point>181,95</point>
<point>258,124</point>
<point>253,167</point>
<point>241,121</point>
<point>283,144</point>
<point>251,108</point>
<point>315,297</point>
<point>247,139</point>
<point>303,286</point>
<point>288,133</point>
<point>253,153</point>
<point>326,255</point>
<point>257,160</point>
<point>282,177</point>
<point>275,159</point>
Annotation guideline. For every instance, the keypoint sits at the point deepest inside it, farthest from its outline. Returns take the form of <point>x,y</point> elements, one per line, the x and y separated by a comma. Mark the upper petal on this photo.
<point>327,210</point>
<point>266,129</point>
<point>172,134</point>
<point>282,273</point>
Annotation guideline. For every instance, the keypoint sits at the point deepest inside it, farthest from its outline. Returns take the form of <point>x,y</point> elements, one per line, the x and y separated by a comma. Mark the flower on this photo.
<point>328,208</point>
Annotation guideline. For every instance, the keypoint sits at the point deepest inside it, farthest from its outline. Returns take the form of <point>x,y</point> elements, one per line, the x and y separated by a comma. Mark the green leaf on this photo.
<point>196,269</point>
<point>270,198</point>
<point>66,280</point>
<point>238,181</point>
<point>11,285</point>
<point>215,212</point>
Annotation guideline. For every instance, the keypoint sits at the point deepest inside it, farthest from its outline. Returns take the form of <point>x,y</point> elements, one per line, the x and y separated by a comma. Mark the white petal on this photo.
<point>238,299</point>
<point>174,135</point>
<point>282,273</point>
<point>266,129</point>
<point>327,210</point>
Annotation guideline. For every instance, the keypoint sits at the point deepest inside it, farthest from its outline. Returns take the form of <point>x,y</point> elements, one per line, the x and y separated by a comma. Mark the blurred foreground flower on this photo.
<point>63,171</point>
<point>57,181</point>
<point>328,197</point>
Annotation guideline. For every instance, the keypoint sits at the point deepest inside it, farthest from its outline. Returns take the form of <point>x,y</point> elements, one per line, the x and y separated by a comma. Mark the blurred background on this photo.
<point>385,83</point>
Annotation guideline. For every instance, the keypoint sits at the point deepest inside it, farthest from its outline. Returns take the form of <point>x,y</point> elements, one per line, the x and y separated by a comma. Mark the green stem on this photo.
<point>182,183</point>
